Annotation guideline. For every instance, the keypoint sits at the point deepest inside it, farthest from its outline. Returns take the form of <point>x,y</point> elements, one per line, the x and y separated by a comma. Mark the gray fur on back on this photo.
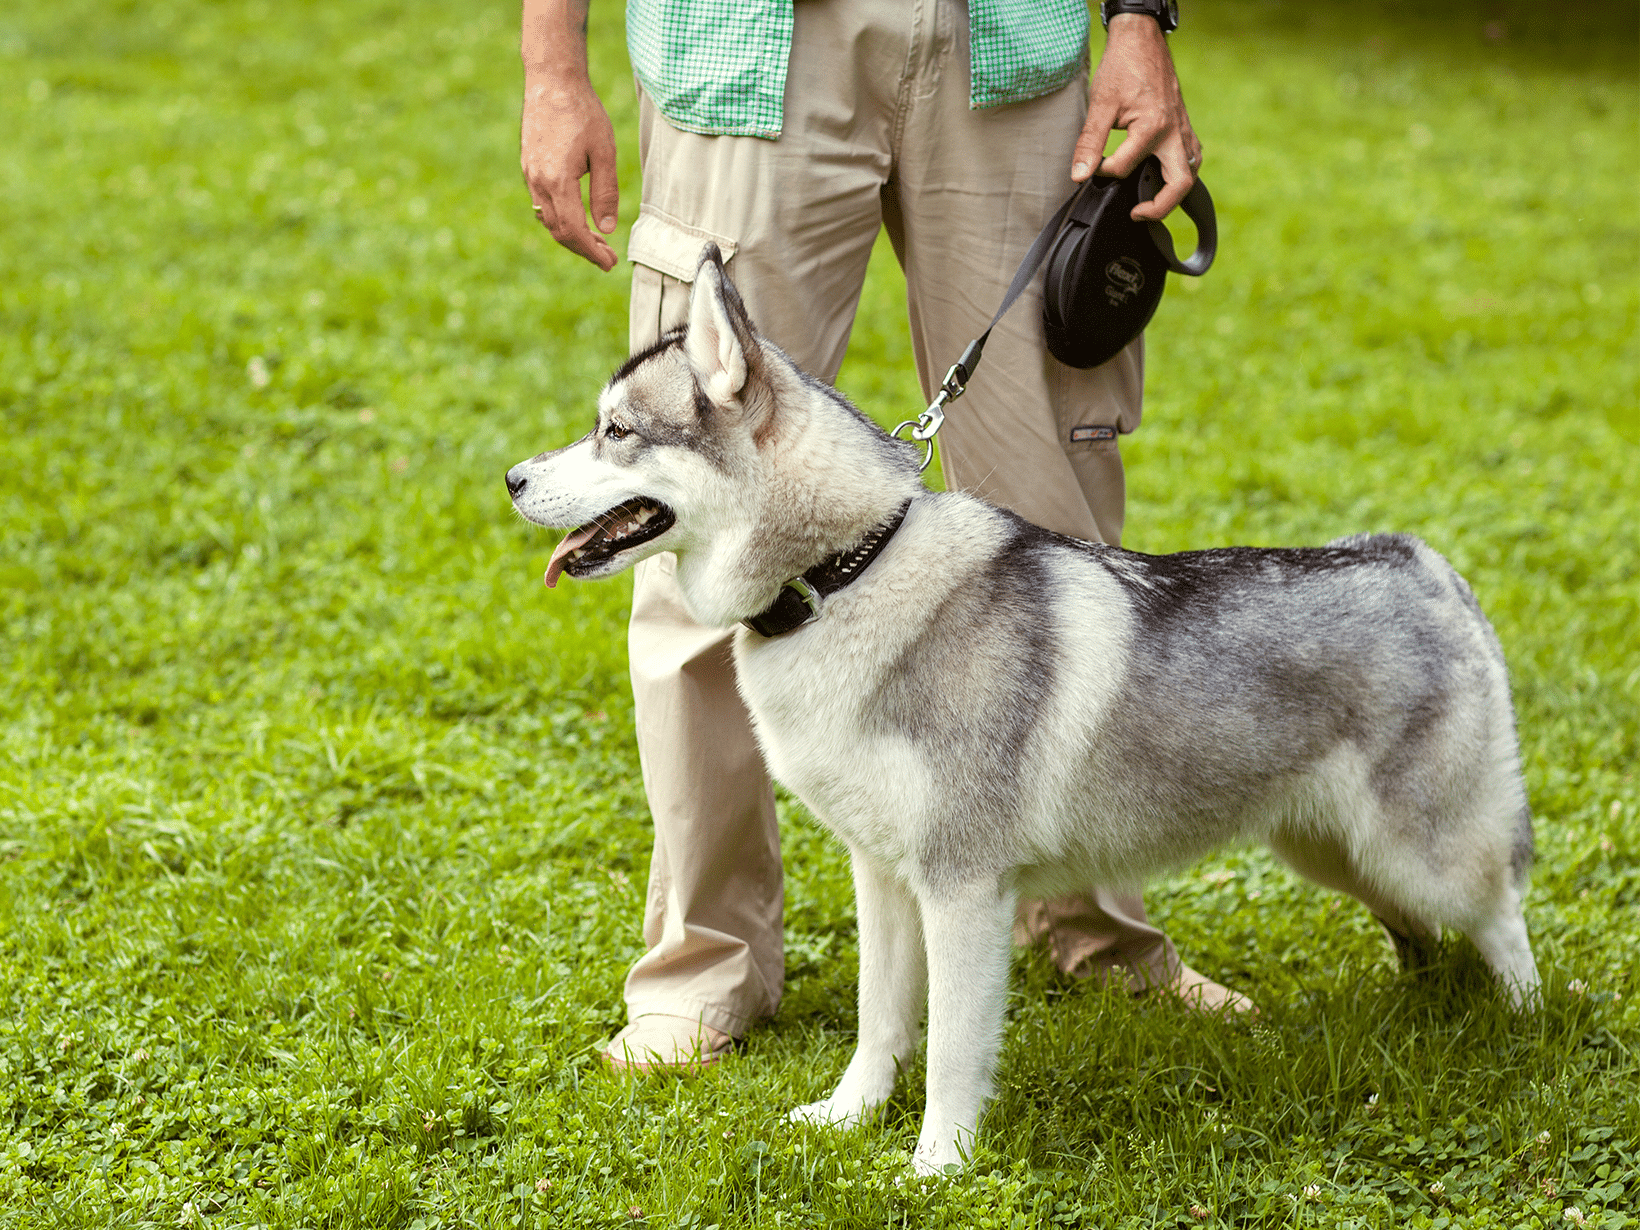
<point>1242,670</point>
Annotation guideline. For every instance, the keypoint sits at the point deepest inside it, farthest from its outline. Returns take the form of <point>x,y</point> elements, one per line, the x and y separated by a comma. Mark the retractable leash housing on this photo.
<point>1105,273</point>
<point>1104,279</point>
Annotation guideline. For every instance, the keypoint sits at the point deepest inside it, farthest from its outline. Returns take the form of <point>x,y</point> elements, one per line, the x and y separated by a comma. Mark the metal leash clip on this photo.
<point>927,424</point>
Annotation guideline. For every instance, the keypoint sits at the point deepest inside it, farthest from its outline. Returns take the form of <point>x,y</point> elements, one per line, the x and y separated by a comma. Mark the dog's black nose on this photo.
<point>515,485</point>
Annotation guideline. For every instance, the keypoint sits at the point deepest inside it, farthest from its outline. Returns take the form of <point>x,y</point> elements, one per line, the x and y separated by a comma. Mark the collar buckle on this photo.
<point>810,597</point>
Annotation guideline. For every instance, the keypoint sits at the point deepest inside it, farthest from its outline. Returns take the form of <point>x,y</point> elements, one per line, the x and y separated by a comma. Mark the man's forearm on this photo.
<point>1135,88</point>
<point>553,42</point>
<point>564,132</point>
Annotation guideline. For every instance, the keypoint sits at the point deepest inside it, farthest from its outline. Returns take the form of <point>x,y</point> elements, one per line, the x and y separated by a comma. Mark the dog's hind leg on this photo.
<point>1502,940</point>
<point>1417,950</point>
<point>892,989</point>
<point>1485,906</point>
<point>1500,932</point>
<point>968,929</point>
<point>1322,858</point>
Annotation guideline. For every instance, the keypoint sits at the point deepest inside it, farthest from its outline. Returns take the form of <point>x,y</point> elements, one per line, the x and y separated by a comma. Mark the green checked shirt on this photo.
<point>719,66</point>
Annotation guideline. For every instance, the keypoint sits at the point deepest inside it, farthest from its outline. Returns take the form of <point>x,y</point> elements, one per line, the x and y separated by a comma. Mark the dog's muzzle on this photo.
<point>586,548</point>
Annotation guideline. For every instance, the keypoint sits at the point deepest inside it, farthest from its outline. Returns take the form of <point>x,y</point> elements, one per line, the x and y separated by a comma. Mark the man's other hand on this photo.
<point>565,133</point>
<point>1136,89</point>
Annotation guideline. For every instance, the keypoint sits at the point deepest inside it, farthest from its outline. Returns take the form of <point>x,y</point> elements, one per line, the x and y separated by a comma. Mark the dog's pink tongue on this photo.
<point>572,540</point>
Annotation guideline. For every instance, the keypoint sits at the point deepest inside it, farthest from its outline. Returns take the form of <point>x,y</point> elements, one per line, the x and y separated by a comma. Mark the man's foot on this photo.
<point>1201,993</point>
<point>659,1042</point>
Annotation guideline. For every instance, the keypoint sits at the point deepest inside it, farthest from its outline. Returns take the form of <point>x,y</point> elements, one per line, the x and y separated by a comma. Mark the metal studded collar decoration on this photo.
<point>801,599</point>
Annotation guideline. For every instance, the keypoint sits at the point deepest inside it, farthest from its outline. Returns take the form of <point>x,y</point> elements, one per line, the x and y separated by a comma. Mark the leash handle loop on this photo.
<point>1198,207</point>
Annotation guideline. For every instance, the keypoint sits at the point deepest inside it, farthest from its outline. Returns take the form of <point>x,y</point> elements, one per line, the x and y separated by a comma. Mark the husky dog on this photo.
<point>987,709</point>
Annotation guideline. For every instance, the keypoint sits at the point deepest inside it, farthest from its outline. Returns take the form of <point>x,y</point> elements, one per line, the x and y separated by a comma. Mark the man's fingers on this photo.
<point>1090,145</point>
<point>564,215</point>
<point>1163,203</point>
<point>1178,176</point>
<point>1135,147</point>
<point>605,194</point>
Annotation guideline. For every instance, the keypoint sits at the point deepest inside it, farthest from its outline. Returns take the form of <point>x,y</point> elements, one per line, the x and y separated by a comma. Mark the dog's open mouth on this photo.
<point>604,537</point>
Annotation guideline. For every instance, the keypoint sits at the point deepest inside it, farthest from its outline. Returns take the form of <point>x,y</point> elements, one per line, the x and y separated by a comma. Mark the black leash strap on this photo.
<point>801,598</point>
<point>926,424</point>
<point>1197,205</point>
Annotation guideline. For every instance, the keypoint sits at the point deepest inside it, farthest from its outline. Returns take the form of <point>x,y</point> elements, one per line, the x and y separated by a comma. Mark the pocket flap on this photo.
<point>660,242</point>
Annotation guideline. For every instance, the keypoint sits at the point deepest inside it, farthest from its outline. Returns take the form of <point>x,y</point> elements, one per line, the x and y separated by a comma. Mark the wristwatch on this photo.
<point>1166,12</point>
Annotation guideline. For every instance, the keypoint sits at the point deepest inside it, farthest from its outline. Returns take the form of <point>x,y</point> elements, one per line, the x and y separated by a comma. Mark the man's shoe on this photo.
<point>1201,993</point>
<point>660,1042</point>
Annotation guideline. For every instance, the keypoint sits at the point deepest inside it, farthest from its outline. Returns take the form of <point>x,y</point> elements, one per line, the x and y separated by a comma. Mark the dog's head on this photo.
<point>677,431</point>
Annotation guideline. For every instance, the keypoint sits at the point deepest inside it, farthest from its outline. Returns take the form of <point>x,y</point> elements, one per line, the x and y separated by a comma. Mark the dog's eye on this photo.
<point>616,432</point>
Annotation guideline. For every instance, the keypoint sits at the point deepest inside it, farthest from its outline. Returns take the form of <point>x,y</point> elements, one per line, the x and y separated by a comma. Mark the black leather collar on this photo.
<point>800,599</point>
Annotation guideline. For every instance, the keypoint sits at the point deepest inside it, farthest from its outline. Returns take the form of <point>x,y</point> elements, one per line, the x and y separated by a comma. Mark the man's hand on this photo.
<point>565,132</point>
<point>1135,88</point>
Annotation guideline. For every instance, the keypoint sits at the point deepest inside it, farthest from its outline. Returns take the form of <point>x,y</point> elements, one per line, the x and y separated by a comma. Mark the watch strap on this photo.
<point>1166,12</point>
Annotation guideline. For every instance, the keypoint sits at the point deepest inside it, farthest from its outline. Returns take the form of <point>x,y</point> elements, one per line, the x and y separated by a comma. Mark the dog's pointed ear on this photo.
<point>720,342</point>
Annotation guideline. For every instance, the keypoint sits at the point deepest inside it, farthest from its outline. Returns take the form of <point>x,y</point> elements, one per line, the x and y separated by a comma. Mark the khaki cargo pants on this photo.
<point>878,133</point>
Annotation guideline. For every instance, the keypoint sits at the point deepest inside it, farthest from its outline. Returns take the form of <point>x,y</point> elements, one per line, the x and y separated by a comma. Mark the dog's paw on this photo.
<point>943,1152</point>
<point>936,1162</point>
<point>827,1113</point>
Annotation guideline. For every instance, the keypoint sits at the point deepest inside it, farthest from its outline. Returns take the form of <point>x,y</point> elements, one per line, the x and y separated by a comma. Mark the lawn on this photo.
<point>322,845</point>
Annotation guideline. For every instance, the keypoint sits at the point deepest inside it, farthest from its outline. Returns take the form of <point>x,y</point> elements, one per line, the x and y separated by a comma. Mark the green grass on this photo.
<point>321,838</point>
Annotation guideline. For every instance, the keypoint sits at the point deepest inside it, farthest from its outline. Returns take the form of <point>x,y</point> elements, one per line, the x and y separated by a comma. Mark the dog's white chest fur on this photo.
<point>813,695</point>
<point>861,714</point>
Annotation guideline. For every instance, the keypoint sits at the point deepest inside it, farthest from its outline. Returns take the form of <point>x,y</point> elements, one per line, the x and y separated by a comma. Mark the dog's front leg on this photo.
<point>892,979</point>
<point>968,930</point>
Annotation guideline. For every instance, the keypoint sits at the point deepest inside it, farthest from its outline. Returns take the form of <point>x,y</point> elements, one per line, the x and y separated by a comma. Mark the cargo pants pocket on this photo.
<point>664,252</point>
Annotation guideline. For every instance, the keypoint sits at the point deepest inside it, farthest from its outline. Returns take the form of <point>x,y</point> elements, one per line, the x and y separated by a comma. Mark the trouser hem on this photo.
<point>725,1020</point>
